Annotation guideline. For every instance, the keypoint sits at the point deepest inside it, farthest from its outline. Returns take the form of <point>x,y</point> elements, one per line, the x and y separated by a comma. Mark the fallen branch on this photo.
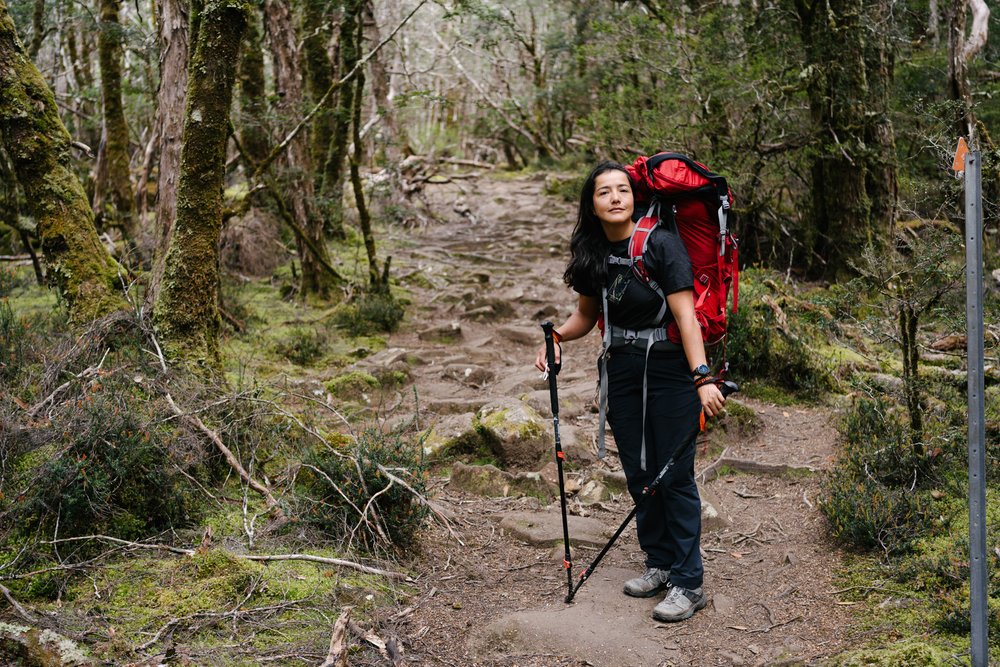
<point>337,655</point>
<point>234,463</point>
<point>330,561</point>
<point>127,543</point>
<point>21,611</point>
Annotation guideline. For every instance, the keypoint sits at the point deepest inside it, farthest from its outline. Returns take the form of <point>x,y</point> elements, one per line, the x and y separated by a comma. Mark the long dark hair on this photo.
<point>587,270</point>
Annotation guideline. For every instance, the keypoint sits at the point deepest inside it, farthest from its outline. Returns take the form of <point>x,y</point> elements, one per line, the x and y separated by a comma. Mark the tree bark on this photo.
<point>288,78</point>
<point>114,195</point>
<point>252,129</point>
<point>364,220</point>
<point>37,29</point>
<point>853,169</point>
<point>38,146</point>
<point>186,312</point>
<point>317,27</point>
<point>333,171</point>
<point>174,53</point>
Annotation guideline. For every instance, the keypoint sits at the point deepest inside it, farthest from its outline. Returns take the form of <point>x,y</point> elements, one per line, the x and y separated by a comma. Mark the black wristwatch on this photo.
<point>701,371</point>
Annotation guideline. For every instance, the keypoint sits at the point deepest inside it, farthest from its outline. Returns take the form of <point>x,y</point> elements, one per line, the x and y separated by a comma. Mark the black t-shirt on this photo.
<point>632,304</point>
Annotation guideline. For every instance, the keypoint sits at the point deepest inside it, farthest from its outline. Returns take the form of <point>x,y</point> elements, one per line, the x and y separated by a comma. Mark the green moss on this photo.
<point>352,385</point>
<point>908,653</point>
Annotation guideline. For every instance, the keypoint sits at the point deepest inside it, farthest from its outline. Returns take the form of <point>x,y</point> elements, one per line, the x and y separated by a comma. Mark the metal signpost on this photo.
<point>977,431</point>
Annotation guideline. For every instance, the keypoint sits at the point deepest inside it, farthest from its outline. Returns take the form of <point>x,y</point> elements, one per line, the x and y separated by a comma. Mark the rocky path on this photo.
<point>491,589</point>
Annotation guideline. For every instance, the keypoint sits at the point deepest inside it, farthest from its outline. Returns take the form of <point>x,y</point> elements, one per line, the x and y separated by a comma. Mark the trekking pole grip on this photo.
<point>550,348</point>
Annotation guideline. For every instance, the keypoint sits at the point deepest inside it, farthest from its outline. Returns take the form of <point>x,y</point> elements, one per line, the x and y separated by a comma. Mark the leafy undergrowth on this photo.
<point>898,501</point>
<point>131,498</point>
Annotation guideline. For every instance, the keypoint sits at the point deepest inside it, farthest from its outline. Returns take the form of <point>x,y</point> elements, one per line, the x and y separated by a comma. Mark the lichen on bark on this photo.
<point>39,148</point>
<point>186,311</point>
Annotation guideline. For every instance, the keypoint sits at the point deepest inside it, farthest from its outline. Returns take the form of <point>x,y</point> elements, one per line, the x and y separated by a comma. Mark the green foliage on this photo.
<point>110,470</point>
<point>351,496</point>
<point>880,496</point>
<point>302,346</point>
<point>764,347</point>
<point>372,311</point>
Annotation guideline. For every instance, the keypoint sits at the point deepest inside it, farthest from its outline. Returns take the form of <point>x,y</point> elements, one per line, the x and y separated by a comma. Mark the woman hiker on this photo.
<point>677,379</point>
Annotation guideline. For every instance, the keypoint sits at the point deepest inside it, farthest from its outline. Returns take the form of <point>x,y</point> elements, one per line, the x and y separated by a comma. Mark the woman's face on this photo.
<point>613,203</point>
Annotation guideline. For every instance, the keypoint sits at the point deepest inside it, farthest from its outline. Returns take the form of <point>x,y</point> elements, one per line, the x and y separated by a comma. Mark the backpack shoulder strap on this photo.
<point>637,249</point>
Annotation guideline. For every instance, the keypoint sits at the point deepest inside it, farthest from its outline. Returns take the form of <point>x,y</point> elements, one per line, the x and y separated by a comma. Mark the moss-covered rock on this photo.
<point>353,385</point>
<point>519,434</point>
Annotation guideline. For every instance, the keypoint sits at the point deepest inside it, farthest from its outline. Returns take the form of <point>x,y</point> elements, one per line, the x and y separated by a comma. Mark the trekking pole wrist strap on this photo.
<point>557,337</point>
<point>703,380</point>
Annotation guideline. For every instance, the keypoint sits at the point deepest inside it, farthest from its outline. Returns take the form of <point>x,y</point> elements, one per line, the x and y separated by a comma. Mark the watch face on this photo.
<point>701,370</point>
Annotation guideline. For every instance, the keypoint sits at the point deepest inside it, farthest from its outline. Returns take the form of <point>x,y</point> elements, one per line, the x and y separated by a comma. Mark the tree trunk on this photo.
<point>37,29</point>
<point>186,312</point>
<point>38,146</point>
<point>300,184</point>
<point>317,28</point>
<point>838,93</point>
<point>333,172</point>
<point>879,135</point>
<point>364,220</point>
<point>174,52</point>
<point>961,51</point>
<point>114,195</point>
<point>252,128</point>
<point>396,143</point>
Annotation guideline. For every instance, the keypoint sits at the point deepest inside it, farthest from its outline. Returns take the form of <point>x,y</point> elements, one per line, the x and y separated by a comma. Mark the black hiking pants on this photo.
<point>669,522</point>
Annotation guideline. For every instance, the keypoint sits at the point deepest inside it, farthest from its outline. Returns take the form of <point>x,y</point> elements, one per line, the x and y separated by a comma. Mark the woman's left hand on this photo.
<point>712,400</point>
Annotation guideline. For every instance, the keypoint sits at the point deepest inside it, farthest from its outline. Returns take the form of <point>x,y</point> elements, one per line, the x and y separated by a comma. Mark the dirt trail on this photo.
<point>485,280</point>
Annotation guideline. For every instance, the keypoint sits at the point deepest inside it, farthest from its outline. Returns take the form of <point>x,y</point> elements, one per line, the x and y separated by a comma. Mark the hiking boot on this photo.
<point>649,584</point>
<point>680,604</point>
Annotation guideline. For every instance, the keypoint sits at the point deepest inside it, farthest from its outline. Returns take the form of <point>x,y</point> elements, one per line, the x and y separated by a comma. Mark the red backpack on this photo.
<point>701,201</point>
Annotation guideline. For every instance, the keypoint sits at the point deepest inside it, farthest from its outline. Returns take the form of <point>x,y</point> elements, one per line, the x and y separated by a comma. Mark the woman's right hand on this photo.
<point>540,361</point>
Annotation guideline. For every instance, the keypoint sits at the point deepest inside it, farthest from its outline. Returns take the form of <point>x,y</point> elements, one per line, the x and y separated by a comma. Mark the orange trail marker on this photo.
<point>963,148</point>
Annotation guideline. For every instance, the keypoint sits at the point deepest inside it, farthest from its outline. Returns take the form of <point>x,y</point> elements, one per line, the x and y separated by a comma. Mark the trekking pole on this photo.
<point>550,358</point>
<point>727,387</point>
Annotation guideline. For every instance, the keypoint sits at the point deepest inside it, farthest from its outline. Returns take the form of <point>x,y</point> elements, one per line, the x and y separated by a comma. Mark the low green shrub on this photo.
<point>303,346</point>
<point>107,468</point>
<point>765,349</point>
<point>371,312</point>
<point>357,492</point>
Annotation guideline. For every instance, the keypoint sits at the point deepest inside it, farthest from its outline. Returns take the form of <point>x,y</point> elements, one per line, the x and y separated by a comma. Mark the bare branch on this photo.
<point>337,656</point>
<point>980,29</point>
<point>234,463</point>
<point>21,611</point>
<point>331,561</point>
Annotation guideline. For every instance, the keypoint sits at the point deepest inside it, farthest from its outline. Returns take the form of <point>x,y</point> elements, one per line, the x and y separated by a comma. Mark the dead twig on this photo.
<point>331,561</point>
<point>21,611</point>
<point>115,540</point>
<point>234,463</point>
<point>337,655</point>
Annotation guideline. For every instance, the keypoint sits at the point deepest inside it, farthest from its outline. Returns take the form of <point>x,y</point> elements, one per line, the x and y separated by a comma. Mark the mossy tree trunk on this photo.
<point>114,195</point>
<point>299,183</point>
<point>336,159</point>
<point>853,171</point>
<point>38,146</point>
<point>252,129</point>
<point>364,219</point>
<point>186,312</point>
<point>174,54</point>
<point>317,28</point>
